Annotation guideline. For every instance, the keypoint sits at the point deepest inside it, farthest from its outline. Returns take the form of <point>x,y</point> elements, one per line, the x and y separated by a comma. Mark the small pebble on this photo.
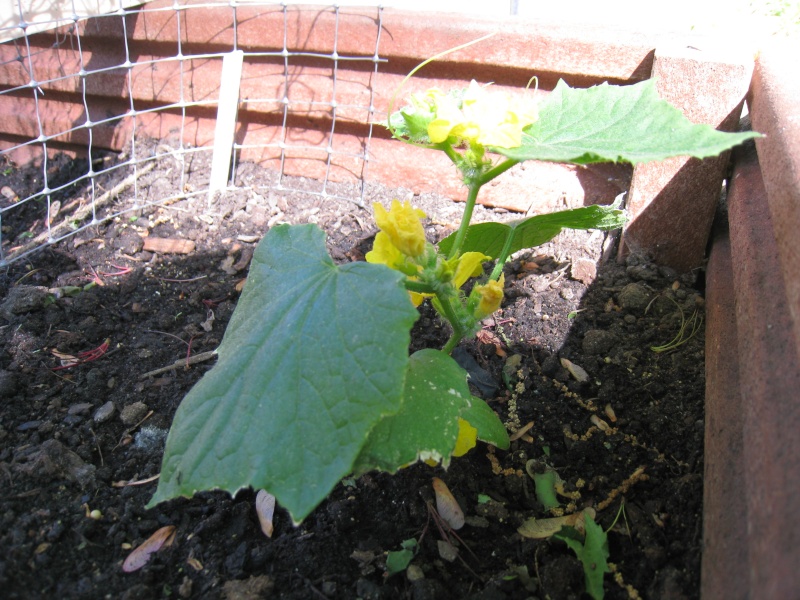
<point>105,412</point>
<point>9,384</point>
<point>414,573</point>
<point>634,297</point>
<point>598,341</point>
<point>584,270</point>
<point>79,409</point>
<point>133,413</point>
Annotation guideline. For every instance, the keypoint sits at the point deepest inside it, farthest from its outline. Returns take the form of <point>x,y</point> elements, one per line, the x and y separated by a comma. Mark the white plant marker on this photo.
<point>226,120</point>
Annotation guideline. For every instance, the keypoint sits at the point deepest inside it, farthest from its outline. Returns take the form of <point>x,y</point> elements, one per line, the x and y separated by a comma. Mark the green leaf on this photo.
<point>398,560</point>
<point>544,485</point>
<point>490,238</point>
<point>616,123</point>
<point>315,355</point>
<point>490,428</point>
<point>426,426</point>
<point>592,553</point>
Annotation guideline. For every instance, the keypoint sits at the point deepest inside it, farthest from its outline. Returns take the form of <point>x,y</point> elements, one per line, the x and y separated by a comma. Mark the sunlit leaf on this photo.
<point>490,238</point>
<point>314,355</point>
<point>609,123</point>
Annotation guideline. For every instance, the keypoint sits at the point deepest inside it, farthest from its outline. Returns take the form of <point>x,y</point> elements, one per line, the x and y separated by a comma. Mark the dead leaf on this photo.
<point>208,324</point>
<point>599,423</point>
<point>265,509</point>
<point>41,548</point>
<point>162,538</point>
<point>256,586</point>
<point>521,431</point>
<point>447,551</point>
<point>447,506</point>
<point>55,208</point>
<point>66,360</point>
<point>168,245</point>
<point>539,529</point>
<point>194,563</point>
<point>227,265</point>
<point>578,373</point>
<point>490,338</point>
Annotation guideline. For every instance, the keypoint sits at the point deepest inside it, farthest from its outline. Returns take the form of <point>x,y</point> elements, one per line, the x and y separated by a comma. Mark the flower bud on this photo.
<point>403,226</point>
<point>490,296</point>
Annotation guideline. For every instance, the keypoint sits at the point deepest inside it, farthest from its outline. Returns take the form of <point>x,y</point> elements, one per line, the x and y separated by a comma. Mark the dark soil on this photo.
<point>75,440</point>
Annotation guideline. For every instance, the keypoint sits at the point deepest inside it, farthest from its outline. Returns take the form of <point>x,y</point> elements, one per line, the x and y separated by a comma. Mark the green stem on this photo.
<point>474,188</point>
<point>451,154</point>
<point>418,286</point>
<point>452,343</point>
<point>445,302</point>
<point>498,170</point>
<point>504,253</point>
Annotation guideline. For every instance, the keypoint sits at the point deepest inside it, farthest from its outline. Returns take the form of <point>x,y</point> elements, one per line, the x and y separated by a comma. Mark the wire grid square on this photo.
<point>100,86</point>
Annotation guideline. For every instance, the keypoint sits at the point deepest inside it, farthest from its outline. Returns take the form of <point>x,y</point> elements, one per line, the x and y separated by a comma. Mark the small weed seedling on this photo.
<point>688,329</point>
<point>591,548</point>
<point>314,381</point>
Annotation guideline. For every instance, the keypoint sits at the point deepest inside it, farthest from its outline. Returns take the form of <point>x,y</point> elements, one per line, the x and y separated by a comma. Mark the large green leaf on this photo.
<point>314,356</point>
<point>426,426</point>
<point>616,123</point>
<point>490,238</point>
<point>436,394</point>
<point>490,428</point>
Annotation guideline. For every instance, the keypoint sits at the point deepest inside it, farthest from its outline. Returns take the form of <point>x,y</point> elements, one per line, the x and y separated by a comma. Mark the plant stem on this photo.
<point>498,170</point>
<point>452,343</point>
<point>504,253</point>
<point>451,154</point>
<point>445,302</point>
<point>418,287</point>
<point>474,188</point>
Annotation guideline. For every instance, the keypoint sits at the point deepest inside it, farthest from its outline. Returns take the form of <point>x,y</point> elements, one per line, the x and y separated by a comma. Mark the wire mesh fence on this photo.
<point>232,81</point>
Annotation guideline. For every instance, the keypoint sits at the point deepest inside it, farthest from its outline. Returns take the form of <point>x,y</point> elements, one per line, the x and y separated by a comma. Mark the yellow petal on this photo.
<point>439,130</point>
<point>491,296</point>
<point>417,299</point>
<point>470,264</point>
<point>402,225</point>
<point>467,438</point>
<point>384,252</point>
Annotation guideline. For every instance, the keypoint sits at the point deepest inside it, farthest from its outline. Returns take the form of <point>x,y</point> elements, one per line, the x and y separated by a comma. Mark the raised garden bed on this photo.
<point>339,552</point>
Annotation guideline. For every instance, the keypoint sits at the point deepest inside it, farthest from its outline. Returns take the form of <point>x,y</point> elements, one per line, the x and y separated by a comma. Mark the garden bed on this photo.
<point>66,453</point>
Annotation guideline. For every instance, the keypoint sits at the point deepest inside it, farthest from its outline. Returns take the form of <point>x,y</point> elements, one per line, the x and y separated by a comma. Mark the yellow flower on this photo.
<point>491,296</point>
<point>467,438</point>
<point>484,119</point>
<point>403,227</point>
<point>469,264</point>
<point>384,252</point>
